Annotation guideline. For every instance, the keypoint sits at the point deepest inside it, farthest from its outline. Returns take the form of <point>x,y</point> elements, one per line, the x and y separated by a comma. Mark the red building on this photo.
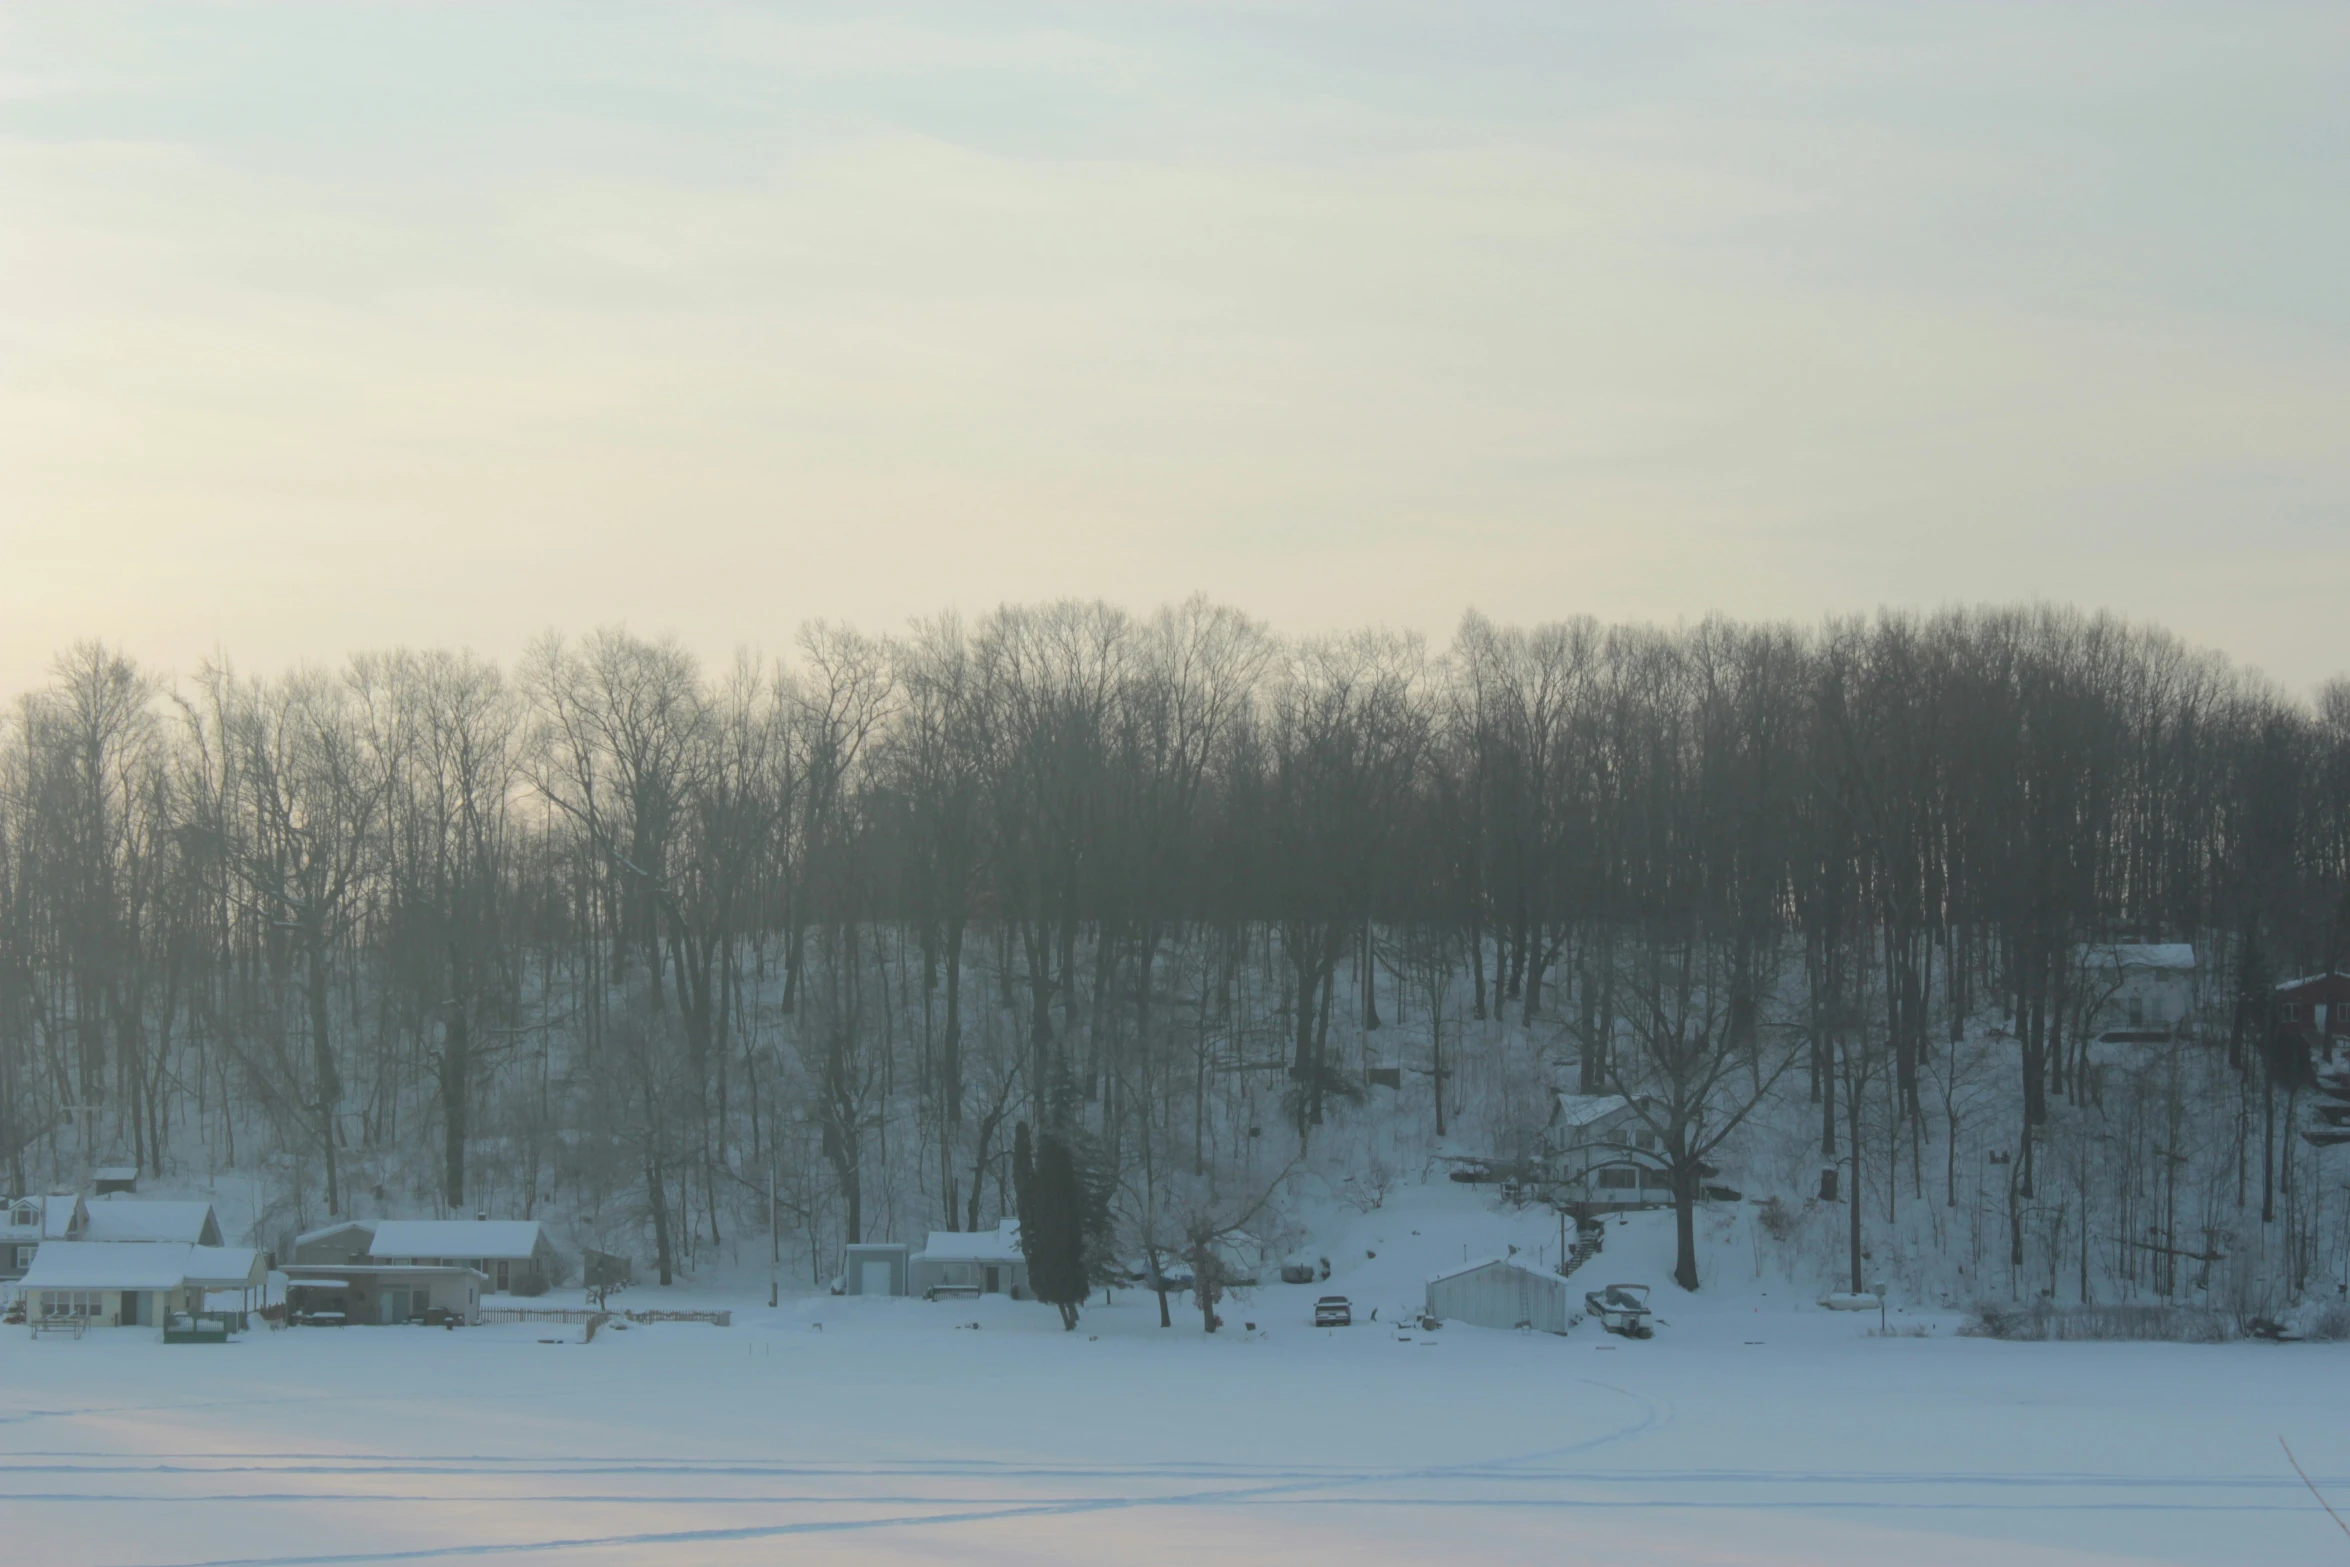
<point>2317,1008</point>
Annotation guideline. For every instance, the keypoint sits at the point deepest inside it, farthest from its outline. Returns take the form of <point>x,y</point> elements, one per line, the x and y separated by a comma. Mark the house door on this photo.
<point>873,1278</point>
<point>395,1306</point>
<point>131,1301</point>
<point>502,1267</point>
<point>994,1284</point>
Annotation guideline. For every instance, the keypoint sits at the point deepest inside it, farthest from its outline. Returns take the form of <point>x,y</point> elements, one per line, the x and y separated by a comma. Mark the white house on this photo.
<point>1601,1151</point>
<point>2136,992</point>
<point>122,1284</point>
<point>971,1262</point>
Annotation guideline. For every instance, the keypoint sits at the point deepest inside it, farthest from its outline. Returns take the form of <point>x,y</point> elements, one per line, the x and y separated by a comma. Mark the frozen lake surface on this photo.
<point>1752,1429</point>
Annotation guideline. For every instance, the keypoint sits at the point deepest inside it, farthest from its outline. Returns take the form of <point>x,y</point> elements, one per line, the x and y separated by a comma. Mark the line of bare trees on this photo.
<point>648,941</point>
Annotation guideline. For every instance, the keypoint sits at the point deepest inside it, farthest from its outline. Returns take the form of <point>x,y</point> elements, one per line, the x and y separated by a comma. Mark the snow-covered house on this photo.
<point>513,1254</point>
<point>971,1262</point>
<point>1602,1152</point>
<point>2137,992</point>
<point>28,1221</point>
<point>126,1219</point>
<point>1500,1292</point>
<point>122,1284</point>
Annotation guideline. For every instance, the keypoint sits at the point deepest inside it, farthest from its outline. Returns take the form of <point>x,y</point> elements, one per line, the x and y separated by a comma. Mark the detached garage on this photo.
<point>1500,1293</point>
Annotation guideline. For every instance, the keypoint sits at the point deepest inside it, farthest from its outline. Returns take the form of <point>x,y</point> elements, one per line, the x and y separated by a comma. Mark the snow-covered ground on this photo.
<point>1754,1428</point>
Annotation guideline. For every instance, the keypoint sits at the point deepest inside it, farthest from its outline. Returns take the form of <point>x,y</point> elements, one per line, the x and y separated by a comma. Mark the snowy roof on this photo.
<point>1583,1109</point>
<point>366,1226</point>
<point>224,1267</point>
<point>115,1218</point>
<point>455,1238</point>
<point>51,1217</point>
<point>318,1284</point>
<point>2310,979</point>
<point>1001,1244</point>
<point>1487,1262</point>
<point>2145,954</point>
<point>115,1172</point>
<point>310,1272</point>
<point>109,1265</point>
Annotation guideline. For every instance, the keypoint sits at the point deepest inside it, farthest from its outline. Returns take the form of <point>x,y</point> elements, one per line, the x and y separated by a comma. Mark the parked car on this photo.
<point>1334,1311</point>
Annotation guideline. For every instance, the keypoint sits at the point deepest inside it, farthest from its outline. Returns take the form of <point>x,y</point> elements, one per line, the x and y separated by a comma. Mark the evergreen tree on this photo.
<point>1053,1204</point>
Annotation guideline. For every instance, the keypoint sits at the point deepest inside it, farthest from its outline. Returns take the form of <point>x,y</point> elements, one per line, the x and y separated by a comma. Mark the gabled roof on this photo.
<point>1492,1262</point>
<point>55,1217</point>
<point>2310,979</point>
<point>119,1218</point>
<point>108,1265</point>
<point>1583,1109</point>
<point>363,1226</point>
<point>1001,1244</point>
<point>507,1238</point>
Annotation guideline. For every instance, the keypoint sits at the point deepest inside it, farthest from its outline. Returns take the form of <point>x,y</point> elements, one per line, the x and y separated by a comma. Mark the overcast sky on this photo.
<point>325,327</point>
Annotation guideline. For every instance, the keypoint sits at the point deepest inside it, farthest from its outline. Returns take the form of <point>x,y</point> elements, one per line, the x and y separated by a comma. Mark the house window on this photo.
<point>1644,1140</point>
<point>1619,1178</point>
<point>22,1216</point>
<point>502,1277</point>
<point>69,1303</point>
<point>2292,1010</point>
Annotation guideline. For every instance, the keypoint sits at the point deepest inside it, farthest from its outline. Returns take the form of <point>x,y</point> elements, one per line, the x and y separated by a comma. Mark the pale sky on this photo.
<point>328,327</point>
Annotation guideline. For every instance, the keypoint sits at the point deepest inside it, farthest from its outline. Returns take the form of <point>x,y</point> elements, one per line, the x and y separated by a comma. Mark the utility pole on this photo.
<point>774,1242</point>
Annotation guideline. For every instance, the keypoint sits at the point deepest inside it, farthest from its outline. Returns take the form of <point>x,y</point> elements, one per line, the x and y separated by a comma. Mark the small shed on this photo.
<point>1500,1292</point>
<point>971,1262</point>
<point>109,1178</point>
<point>875,1268</point>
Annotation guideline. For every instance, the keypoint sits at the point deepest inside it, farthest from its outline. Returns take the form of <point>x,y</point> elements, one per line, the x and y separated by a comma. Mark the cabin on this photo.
<point>123,1219</point>
<point>28,1221</point>
<point>109,1284</point>
<point>2316,1010</point>
<point>373,1294</point>
<point>876,1268</point>
<point>111,1178</point>
<point>1500,1292</point>
<point>2137,993</point>
<point>514,1255</point>
<point>971,1262</point>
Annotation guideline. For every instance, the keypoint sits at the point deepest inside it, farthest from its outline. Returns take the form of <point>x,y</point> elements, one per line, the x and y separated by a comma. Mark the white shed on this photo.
<point>1500,1293</point>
